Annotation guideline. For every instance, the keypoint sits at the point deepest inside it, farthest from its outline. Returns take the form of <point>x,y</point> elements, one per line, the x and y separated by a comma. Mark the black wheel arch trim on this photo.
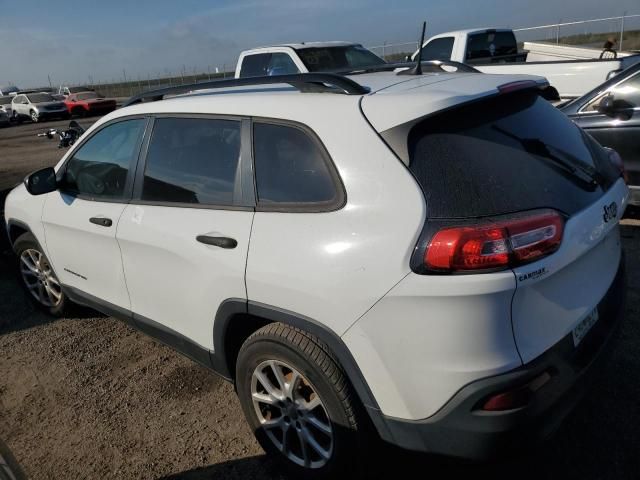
<point>232,306</point>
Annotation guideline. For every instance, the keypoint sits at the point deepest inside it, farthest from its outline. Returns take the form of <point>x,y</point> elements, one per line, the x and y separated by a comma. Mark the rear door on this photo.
<point>80,219</point>
<point>184,237</point>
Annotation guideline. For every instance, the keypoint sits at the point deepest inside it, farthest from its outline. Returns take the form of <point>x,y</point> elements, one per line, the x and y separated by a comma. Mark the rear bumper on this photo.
<point>460,429</point>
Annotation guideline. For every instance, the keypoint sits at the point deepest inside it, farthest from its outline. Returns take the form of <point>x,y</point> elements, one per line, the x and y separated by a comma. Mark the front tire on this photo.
<point>37,276</point>
<point>299,403</point>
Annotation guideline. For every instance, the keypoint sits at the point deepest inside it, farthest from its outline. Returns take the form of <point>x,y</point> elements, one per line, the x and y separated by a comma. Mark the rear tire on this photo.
<point>307,417</point>
<point>37,276</point>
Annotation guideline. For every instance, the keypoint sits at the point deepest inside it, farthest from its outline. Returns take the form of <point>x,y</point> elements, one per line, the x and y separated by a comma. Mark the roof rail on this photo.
<point>304,82</point>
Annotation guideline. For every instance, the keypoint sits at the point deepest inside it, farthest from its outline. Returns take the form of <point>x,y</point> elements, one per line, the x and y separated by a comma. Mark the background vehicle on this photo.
<point>611,114</point>
<point>5,120</point>
<point>345,304</point>
<point>5,105</point>
<point>495,50</point>
<point>8,89</point>
<point>89,103</point>
<point>66,91</point>
<point>305,57</point>
<point>37,107</point>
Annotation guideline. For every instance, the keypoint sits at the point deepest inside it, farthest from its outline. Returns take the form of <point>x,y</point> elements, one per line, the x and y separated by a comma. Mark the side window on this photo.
<point>255,65</point>
<point>192,160</point>
<point>438,49</point>
<point>100,167</point>
<point>281,64</point>
<point>291,168</point>
<point>490,44</point>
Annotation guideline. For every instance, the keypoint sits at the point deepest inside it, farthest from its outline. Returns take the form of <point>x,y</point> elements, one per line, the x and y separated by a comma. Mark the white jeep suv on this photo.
<point>434,258</point>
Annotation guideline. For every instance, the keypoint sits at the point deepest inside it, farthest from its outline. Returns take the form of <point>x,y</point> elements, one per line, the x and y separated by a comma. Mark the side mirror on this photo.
<point>41,182</point>
<point>606,105</point>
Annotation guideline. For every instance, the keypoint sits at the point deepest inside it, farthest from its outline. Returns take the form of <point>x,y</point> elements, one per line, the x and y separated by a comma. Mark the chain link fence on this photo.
<point>593,33</point>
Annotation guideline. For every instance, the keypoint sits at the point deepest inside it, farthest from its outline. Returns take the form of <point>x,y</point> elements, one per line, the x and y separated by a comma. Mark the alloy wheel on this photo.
<point>39,278</point>
<point>292,414</point>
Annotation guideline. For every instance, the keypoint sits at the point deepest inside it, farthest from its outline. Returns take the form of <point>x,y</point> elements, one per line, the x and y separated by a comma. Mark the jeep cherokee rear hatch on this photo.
<point>512,183</point>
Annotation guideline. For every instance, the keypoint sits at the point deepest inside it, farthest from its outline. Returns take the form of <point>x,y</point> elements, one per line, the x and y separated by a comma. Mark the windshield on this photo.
<point>40,97</point>
<point>86,96</point>
<point>327,59</point>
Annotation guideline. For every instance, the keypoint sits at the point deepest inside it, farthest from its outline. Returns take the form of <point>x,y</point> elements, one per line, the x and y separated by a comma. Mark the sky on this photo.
<point>73,41</point>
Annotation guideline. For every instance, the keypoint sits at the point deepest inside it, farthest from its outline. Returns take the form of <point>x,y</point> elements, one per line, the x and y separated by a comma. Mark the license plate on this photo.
<point>584,326</point>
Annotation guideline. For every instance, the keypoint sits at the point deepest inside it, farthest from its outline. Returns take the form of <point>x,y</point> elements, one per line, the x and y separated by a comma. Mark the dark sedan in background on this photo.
<point>611,114</point>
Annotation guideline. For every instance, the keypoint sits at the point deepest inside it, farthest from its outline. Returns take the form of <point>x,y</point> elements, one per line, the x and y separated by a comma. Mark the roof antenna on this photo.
<point>417,70</point>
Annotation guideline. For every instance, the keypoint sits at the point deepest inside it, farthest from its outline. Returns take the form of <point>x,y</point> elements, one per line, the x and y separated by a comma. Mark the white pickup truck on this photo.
<point>304,58</point>
<point>495,50</point>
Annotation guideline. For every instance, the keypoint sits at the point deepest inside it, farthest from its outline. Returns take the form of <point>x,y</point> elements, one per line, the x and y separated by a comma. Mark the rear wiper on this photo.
<point>569,163</point>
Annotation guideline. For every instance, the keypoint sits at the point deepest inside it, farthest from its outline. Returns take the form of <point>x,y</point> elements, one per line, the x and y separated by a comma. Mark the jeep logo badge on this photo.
<point>610,211</point>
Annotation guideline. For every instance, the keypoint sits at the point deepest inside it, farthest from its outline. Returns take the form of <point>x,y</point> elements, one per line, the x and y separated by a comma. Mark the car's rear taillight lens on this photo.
<point>495,245</point>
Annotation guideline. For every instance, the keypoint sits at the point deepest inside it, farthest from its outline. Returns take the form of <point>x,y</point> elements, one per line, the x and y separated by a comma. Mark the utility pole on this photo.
<point>49,77</point>
<point>621,30</point>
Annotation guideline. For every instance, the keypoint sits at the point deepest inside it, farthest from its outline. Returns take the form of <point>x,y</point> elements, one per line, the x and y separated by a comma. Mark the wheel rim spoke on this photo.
<point>268,386</point>
<point>310,439</point>
<point>277,372</point>
<point>317,423</point>
<point>265,398</point>
<point>304,448</point>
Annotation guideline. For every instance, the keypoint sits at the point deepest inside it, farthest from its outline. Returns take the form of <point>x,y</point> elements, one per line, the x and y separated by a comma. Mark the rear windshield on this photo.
<point>510,153</point>
<point>491,44</point>
<point>326,59</point>
<point>40,97</point>
<point>5,100</point>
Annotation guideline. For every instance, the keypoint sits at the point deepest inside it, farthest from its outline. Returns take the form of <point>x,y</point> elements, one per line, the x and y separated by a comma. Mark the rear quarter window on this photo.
<point>293,172</point>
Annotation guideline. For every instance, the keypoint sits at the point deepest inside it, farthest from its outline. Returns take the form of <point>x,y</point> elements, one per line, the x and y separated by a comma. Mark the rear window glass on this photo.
<point>326,59</point>
<point>438,49</point>
<point>255,65</point>
<point>484,45</point>
<point>290,167</point>
<point>5,100</point>
<point>40,97</point>
<point>507,154</point>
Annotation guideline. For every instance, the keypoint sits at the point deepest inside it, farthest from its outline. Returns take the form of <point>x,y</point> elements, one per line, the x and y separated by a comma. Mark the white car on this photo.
<point>37,106</point>
<point>433,260</point>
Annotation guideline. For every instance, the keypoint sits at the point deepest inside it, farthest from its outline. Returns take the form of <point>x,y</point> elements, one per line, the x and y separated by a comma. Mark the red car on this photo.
<point>89,103</point>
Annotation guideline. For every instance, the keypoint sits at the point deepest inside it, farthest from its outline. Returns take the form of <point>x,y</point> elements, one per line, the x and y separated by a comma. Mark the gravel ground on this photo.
<point>88,397</point>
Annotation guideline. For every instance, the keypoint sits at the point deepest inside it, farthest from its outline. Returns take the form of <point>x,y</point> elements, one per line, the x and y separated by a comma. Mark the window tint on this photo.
<point>505,154</point>
<point>281,64</point>
<point>99,168</point>
<point>192,160</point>
<point>40,97</point>
<point>290,167</point>
<point>438,49</point>
<point>491,44</point>
<point>255,65</point>
<point>327,59</point>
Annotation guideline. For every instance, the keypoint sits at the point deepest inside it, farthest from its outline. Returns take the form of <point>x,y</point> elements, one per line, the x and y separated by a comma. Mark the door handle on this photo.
<point>102,221</point>
<point>222,242</point>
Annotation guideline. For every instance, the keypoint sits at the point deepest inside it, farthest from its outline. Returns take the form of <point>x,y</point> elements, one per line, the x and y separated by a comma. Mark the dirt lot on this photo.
<point>88,397</point>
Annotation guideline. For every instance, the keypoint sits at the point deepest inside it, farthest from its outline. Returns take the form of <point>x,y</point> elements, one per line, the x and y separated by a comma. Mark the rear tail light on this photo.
<point>496,245</point>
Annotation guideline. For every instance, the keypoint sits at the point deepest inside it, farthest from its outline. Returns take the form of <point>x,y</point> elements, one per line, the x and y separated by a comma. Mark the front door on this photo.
<point>81,218</point>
